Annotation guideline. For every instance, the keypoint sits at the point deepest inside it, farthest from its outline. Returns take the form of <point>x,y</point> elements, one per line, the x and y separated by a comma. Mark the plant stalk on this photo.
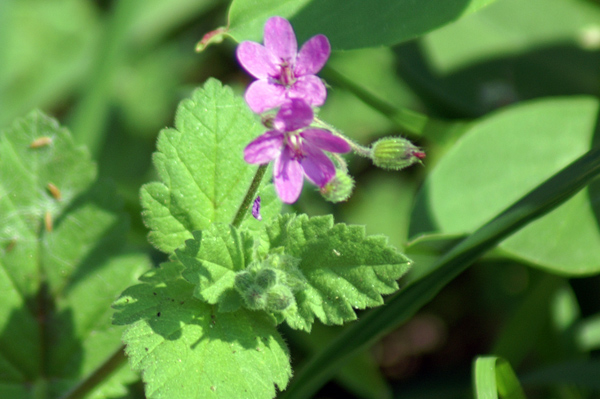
<point>250,195</point>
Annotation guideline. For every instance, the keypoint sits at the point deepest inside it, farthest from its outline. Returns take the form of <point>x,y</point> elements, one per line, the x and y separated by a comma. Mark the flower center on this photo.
<point>286,74</point>
<point>294,142</point>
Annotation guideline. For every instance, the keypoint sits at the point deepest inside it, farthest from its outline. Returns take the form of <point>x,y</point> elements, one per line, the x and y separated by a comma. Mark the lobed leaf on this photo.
<point>186,350</point>
<point>343,267</point>
<point>62,263</point>
<point>211,260</point>
<point>200,162</point>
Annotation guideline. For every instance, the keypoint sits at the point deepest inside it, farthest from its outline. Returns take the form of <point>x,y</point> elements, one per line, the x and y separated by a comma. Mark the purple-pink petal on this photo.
<point>257,60</point>
<point>317,166</point>
<point>262,96</point>
<point>312,56</point>
<point>325,140</point>
<point>287,176</point>
<point>264,148</point>
<point>293,115</point>
<point>280,39</point>
<point>310,89</point>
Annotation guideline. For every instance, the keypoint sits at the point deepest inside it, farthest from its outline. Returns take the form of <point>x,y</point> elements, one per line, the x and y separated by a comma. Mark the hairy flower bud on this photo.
<point>279,298</point>
<point>395,153</point>
<point>339,188</point>
<point>266,278</point>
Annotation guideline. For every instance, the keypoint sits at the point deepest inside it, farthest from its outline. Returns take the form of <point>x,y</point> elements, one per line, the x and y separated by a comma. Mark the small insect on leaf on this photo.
<point>54,191</point>
<point>48,221</point>
<point>40,142</point>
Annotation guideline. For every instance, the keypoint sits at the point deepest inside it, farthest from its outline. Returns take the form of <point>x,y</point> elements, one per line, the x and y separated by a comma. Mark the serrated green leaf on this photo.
<point>61,261</point>
<point>211,259</point>
<point>186,350</point>
<point>344,268</point>
<point>200,162</point>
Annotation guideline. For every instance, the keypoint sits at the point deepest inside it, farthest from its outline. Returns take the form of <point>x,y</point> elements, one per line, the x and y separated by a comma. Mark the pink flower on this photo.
<point>282,72</point>
<point>296,151</point>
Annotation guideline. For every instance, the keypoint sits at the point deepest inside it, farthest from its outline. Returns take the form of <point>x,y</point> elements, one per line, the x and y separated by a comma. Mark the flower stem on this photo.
<point>357,148</point>
<point>250,195</point>
<point>98,376</point>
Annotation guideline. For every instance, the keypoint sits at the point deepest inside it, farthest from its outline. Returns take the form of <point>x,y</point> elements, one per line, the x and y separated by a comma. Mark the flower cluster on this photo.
<point>286,80</point>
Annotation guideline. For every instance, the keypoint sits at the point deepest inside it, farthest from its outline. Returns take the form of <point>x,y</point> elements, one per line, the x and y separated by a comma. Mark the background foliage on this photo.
<point>501,94</point>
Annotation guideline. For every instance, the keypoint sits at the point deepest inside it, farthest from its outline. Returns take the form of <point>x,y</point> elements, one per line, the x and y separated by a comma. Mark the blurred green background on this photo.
<point>114,72</point>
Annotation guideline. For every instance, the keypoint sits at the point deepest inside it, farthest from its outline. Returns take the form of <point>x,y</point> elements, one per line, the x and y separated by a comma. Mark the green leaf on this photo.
<point>46,51</point>
<point>187,350</point>
<point>350,24</point>
<point>344,269</point>
<point>493,375</point>
<point>62,262</point>
<point>511,27</point>
<point>201,165</point>
<point>500,159</point>
<point>211,260</point>
<point>510,51</point>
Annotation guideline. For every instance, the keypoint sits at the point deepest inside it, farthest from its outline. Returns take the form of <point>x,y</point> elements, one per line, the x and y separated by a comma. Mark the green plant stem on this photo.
<point>98,376</point>
<point>250,195</point>
<point>411,122</point>
<point>403,305</point>
<point>357,148</point>
<point>89,118</point>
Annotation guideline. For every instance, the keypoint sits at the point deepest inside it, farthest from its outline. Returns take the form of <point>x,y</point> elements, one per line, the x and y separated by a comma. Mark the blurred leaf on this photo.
<point>493,375</point>
<point>521,332</point>
<point>201,164</point>
<point>186,350</point>
<point>156,18</point>
<point>580,373</point>
<point>350,24</point>
<point>512,27</point>
<point>501,158</point>
<point>62,262</point>
<point>586,333</point>
<point>45,54</point>
<point>508,52</point>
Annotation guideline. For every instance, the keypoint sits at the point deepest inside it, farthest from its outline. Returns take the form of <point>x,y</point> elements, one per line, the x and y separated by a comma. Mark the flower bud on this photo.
<point>279,298</point>
<point>268,120</point>
<point>266,278</point>
<point>339,188</point>
<point>243,281</point>
<point>255,298</point>
<point>395,153</point>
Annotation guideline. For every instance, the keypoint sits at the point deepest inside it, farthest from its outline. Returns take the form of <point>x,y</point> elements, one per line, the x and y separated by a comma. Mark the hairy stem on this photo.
<point>250,195</point>
<point>357,148</point>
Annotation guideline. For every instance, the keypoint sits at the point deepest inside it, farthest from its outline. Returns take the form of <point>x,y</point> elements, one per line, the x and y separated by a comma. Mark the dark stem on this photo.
<point>250,195</point>
<point>98,376</point>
